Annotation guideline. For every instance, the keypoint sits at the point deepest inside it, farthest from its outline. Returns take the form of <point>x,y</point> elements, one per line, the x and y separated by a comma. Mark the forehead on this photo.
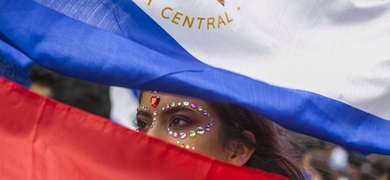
<point>146,95</point>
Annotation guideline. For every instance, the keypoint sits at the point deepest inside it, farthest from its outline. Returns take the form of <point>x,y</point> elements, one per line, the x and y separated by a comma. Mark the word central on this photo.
<point>208,23</point>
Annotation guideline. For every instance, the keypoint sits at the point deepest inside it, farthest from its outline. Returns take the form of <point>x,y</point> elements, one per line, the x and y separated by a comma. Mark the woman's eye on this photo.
<point>179,121</point>
<point>142,125</point>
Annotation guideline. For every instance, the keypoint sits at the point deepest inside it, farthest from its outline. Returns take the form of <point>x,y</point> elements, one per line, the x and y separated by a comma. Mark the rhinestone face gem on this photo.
<point>182,145</point>
<point>167,106</point>
<point>200,108</point>
<point>205,112</point>
<point>186,103</point>
<point>193,147</point>
<point>193,105</point>
<point>192,134</point>
<point>207,128</point>
<point>154,119</point>
<point>175,135</point>
<point>179,103</point>
<point>154,100</point>
<point>187,146</point>
<point>155,113</point>
<point>183,135</point>
<point>200,131</point>
<point>173,104</point>
<point>168,129</point>
<point>170,132</point>
<point>210,124</point>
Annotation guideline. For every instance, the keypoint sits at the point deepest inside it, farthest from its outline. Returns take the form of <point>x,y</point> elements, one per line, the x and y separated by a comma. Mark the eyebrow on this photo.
<point>144,113</point>
<point>176,109</point>
<point>168,111</point>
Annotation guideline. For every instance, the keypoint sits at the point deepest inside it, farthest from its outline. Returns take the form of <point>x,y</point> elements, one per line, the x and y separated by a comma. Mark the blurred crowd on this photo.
<point>326,161</point>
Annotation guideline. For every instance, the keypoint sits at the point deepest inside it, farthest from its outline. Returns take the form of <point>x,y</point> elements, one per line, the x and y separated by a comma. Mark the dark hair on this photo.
<point>91,97</point>
<point>268,152</point>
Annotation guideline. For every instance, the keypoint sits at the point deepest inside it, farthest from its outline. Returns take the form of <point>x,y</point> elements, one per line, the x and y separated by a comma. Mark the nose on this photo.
<point>156,132</point>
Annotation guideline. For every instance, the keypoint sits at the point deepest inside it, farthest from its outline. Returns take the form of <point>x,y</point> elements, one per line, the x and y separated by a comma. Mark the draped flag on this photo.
<point>319,67</point>
<point>42,139</point>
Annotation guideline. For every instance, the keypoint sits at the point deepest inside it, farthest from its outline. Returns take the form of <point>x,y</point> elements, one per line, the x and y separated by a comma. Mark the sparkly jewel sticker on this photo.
<point>192,134</point>
<point>182,135</point>
<point>175,134</point>
<point>154,100</point>
<point>200,131</point>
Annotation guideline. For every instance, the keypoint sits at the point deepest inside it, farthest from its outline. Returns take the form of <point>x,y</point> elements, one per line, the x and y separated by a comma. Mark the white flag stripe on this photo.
<point>338,49</point>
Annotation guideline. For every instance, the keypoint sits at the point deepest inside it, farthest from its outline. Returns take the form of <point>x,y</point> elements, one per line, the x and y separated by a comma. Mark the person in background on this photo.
<point>91,97</point>
<point>375,167</point>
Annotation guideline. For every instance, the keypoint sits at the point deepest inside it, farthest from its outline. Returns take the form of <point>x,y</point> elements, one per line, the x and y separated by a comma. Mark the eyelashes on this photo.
<point>179,121</point>
<point>141,125</point>
<point>175,122</point>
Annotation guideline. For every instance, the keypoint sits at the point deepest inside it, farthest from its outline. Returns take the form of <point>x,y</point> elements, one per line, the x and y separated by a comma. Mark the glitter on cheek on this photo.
<point>175,135</point>
<point>183,135</point>
<point>187,146</point>
<point>193,133</point>
<point>200,131</point>
<point>207,128</point>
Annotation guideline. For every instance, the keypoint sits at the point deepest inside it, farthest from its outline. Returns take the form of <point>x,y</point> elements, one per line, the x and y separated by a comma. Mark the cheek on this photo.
<point>207,144</point>
<point>182,139</point>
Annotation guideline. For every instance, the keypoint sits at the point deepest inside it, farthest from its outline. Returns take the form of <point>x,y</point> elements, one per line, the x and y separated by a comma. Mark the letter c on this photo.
<point>163,14</point>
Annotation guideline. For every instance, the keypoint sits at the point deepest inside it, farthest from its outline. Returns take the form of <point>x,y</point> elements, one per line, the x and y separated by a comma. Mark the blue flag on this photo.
<point>321,68</point>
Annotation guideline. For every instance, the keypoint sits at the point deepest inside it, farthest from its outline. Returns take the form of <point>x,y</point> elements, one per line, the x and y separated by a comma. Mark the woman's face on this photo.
<point>189,123</point>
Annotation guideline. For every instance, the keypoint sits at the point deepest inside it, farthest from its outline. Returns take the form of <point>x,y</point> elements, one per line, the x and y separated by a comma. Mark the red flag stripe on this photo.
<point>43,139</point>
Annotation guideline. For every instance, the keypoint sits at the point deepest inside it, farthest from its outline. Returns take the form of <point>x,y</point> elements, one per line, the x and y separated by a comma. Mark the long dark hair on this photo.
<point>269,154</point>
